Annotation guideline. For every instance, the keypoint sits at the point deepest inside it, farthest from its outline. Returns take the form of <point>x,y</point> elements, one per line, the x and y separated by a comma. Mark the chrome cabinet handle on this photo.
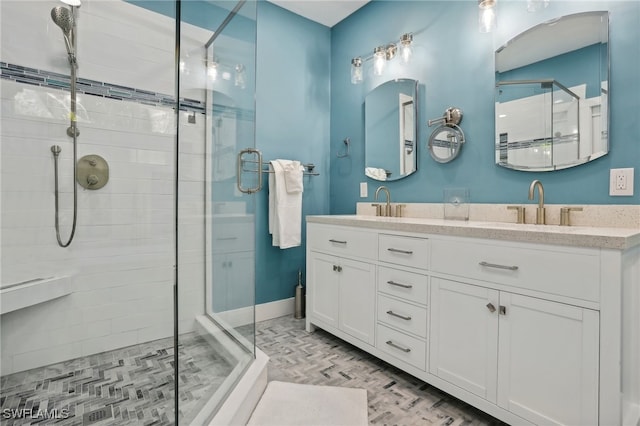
<point>390,343</point>
<point>394,250</point>
<point>399,316</point>
<point>491,308</point>
<point>503,310</point>
<point>226,238</point>
<point>399,285</point>
<point>495,265</point>
<point>337,241</point>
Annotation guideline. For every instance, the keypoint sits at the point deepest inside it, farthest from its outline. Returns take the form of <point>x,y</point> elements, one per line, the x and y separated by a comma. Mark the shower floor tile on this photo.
<point>394,397</point>
<point>136,383</point>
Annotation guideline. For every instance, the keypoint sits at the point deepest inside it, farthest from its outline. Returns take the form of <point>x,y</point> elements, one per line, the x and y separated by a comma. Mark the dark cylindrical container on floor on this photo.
<point>299,309</point>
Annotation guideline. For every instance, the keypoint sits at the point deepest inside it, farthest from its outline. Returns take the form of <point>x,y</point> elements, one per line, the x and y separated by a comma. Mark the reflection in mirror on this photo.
<point>390,130</point>
<point>552,94</point>
<point>445,142</point>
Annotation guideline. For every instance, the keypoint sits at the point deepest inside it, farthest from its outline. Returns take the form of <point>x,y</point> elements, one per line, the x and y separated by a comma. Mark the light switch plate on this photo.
<point>364,191</point>
<point>621,182</point>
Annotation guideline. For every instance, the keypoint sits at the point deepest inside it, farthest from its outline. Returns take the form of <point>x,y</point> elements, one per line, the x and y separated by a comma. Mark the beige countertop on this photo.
<point>578,236</point>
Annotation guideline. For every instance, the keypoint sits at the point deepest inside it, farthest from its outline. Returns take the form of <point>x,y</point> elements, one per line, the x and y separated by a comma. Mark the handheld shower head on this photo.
<point>63,18</point>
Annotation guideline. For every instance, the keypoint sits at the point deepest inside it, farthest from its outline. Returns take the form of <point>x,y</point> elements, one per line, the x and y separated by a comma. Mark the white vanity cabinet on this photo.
<point>530,332</point>
<point>535,358</point>
<point>342,297</point>
<point>534,354</point>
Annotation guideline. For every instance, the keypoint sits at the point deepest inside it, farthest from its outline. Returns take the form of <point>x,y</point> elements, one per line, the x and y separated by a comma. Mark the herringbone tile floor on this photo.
<point>394,397</point>
<point>135,384</point>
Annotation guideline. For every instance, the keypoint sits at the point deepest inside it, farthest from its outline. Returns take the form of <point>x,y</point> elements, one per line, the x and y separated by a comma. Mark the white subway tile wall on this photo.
<point>121,260</point>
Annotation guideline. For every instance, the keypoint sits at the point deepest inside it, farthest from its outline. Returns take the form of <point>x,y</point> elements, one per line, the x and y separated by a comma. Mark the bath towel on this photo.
<point>285,209</point>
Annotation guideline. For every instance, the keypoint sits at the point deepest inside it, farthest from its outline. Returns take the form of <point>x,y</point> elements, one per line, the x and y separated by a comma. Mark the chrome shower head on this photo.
<point>64,19</point>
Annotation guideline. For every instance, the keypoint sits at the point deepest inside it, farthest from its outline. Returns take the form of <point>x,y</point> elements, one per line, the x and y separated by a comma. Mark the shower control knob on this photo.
<point>92,172</point>
<point>92,180</point>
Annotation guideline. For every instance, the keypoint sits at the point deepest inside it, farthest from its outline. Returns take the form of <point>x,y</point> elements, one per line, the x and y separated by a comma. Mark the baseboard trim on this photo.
<point>275,309</point>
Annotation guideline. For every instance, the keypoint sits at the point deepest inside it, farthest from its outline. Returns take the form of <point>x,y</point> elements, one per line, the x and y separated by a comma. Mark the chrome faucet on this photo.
<point>540,216</point>
<point>387,209</point>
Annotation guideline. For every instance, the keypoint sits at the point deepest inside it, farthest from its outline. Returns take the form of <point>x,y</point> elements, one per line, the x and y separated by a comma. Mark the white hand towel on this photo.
<point>272,197</point>
<point>375,173</point>
<point>285,210</point>
<point>293,173</point>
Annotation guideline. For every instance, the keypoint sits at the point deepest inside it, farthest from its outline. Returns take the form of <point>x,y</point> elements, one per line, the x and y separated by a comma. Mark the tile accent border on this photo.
<point>55,80</point>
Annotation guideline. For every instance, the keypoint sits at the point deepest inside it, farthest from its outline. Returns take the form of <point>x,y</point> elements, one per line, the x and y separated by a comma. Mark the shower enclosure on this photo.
<point>146,313</point>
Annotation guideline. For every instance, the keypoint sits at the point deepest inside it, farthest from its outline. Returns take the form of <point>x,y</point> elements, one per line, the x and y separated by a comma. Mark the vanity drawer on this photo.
<point>405,316</point>
<point>401,346</point>
<point>403,284</point>
<point>408,251</point>
<point>342,241</point>
<point>564,272</point>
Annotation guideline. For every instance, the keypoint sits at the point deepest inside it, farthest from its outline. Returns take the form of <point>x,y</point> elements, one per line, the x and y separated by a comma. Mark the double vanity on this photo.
<point>531,324</point>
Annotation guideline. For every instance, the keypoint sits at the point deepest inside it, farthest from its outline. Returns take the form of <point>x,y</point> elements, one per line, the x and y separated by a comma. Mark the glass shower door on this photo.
<point>216,235</point>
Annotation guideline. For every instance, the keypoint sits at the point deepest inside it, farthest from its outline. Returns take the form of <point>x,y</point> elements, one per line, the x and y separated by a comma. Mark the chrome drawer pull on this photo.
<point>495,265</point>
<point>399,251</point>
<point>399,285</point>
<point>337,241</point>
<point>226,238</point>
<point>399,316</point>
<point>390,343</point>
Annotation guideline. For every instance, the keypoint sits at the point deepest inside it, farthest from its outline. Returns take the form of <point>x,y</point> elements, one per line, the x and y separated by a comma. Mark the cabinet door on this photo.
<point>464,336</point>
<point>241,276</point>
<point>548,370</point>
<point>322,289</point>
<point>357,299</point>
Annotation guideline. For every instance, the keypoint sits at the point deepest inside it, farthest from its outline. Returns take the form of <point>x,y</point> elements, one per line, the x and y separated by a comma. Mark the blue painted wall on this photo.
<point>454,65</point>
<point>292,122</point>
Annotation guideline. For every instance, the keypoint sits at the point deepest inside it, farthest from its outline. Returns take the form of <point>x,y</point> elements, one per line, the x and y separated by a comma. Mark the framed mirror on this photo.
<point>390,112</point>
<point>552,94</point>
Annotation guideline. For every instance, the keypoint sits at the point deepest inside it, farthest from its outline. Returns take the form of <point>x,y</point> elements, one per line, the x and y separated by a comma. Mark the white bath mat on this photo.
<point>289,404</point>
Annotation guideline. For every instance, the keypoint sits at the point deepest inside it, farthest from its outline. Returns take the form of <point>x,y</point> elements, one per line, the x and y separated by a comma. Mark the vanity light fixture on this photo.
<point>240,76</point>
<point>379,59</point>
<point>356,70</point>
<point>405,47</point>
<point>381,55</point>
<point>212,71</point>
<point>486,15</point>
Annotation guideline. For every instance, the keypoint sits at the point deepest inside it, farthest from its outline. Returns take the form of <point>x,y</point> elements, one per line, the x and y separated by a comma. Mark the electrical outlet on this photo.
<point>621,182</point>
<point>364,191</point>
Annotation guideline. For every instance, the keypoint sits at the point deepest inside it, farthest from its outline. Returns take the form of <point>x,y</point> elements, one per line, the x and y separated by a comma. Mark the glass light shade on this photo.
<point>405,53</point>
<point>356,71</point>
<point>379,58</point>
<point>212,71</point>
<point>405,47</point>
<point>486,15</point>
<point>240,79</point>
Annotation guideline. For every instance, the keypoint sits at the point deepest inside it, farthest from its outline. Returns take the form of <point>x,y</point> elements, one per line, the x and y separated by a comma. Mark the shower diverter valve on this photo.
<point>93,172</point>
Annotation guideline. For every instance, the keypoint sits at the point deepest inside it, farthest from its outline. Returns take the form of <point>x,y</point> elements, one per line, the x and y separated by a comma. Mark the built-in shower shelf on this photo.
<point>29,293</point>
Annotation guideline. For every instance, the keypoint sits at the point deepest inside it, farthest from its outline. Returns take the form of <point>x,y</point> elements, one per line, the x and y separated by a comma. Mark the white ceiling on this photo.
<point>326,12</point>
